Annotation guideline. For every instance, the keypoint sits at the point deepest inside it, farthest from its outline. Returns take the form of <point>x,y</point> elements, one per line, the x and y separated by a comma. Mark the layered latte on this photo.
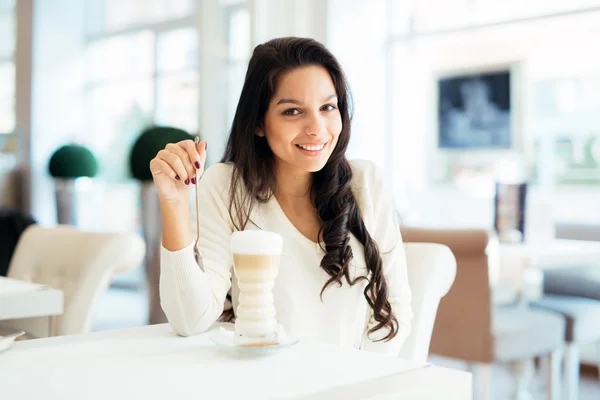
<point>256,256</point>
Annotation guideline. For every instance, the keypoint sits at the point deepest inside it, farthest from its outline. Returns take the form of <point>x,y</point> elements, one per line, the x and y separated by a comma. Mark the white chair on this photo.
<point>81,264</point>
<point>431,273</point>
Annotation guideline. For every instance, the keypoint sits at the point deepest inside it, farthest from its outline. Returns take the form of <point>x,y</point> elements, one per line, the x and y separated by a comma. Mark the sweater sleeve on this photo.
<point>193,299</point>
<point>386,233</point>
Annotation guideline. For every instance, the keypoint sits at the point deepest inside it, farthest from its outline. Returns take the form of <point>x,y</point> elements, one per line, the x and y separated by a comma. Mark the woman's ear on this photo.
<point>260,132</point>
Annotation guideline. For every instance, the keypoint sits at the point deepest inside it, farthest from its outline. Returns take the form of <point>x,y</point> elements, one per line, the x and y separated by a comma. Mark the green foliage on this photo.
<point>148,144</point>
<point>73,161</point>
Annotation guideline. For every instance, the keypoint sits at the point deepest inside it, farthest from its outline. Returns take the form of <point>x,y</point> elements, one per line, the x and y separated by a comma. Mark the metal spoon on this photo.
<point>196,251</point>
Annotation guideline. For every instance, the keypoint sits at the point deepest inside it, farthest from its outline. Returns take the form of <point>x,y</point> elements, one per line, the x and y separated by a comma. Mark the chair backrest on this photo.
<point>463,322</point>
<point>81,264</point>
<point>431,272</point>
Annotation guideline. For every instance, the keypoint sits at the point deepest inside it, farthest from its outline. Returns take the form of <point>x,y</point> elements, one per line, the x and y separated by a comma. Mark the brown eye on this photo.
<point>291,111</point>
<point>328,107</point>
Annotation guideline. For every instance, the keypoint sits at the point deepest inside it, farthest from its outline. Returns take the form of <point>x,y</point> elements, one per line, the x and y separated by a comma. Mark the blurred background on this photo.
<point>453,98</point>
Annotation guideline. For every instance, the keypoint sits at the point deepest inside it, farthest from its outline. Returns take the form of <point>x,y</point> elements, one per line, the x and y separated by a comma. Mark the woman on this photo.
<point>343,275</point>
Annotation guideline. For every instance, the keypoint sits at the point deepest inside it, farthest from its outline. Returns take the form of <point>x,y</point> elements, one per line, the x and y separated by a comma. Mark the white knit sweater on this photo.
<point>193,299</point>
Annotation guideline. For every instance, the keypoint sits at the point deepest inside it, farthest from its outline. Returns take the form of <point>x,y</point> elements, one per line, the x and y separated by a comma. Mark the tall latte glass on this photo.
<point>256,256</point>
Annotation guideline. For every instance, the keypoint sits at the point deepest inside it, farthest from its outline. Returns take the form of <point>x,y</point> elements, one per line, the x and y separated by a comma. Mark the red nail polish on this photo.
<point>194,180</point>
<point>197,164</point>
<point>187,181</point>
<point>177,177</point>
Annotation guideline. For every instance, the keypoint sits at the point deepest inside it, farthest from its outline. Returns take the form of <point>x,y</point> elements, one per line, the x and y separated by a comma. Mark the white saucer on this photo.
<point>7,342</point>
<point>223,339</point>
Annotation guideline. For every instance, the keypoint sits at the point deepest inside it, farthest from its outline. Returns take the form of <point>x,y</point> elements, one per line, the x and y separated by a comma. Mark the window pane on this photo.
<point>120,14</point>
<point>177,101</point>
<point>564,114</point>
<point>235,82</point>
<point>7,98</point>
<point>239,34</point>
<point>7,5</point>
<point>94,16</point>
<point>578,160</point>
<point>116,113</point>
<point>177,49</point>
<point>7,114</point>
<point>7,35</point>
<point>7,79</point>
<point>121,56</point>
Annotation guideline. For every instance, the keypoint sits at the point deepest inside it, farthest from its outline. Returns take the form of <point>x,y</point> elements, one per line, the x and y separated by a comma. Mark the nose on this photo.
<point>315,125</point>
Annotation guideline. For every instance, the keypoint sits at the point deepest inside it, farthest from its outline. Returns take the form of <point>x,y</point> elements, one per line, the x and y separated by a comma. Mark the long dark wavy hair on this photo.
<point>253,170</point>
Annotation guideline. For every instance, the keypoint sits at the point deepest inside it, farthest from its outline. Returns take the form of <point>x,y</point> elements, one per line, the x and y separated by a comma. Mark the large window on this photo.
<point>566,124</point>
<point>427,16</point>
<point>142,67</point>
<point>238,19</point>
<point>8,136</point>
<point>7,66</point>
<point>145,64</point>
<point>116,15</point>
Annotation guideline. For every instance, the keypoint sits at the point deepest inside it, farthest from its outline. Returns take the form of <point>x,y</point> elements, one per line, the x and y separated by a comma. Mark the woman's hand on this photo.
<point>176,167</point>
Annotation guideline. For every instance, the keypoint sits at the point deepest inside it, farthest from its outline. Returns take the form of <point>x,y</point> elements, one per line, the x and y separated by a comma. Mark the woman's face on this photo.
<point>303,122</point>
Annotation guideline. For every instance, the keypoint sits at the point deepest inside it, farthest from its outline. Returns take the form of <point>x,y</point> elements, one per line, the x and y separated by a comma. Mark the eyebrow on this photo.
<point>298,102</point>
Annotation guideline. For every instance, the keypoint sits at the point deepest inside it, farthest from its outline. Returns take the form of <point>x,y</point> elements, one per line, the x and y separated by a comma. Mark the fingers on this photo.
<point>184,157</point>
<point>158,166</point>
<point>193,154</point>
<point>182,161</point>
<point>176,164</point>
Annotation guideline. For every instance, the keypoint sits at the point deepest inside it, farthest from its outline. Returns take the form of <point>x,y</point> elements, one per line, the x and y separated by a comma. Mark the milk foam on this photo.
<point>256,242</point>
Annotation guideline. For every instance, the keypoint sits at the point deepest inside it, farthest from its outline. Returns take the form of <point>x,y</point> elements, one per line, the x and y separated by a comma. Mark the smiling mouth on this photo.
<point>317,147</point>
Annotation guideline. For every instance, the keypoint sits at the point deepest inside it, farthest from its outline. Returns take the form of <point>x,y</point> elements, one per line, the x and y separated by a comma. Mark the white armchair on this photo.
<point>431,273</point>
<point>81,264</point>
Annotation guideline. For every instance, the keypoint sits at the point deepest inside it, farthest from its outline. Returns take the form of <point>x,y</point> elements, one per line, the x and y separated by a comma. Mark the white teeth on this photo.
<point>311,148</point>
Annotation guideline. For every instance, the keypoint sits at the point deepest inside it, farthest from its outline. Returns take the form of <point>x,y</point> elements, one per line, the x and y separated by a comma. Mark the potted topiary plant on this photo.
<point>145,148</point>
<point>67,164</point>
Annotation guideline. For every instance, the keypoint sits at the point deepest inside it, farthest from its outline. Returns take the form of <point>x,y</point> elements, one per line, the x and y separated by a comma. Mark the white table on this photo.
<point>556,253</point>
<point>20,299</point>
<point>153,363</point>
<point>520,273</point>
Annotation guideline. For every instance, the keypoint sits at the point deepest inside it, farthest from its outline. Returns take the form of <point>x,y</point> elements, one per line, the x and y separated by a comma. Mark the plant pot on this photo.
<point>66,201</point>
<point>152,230</point>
